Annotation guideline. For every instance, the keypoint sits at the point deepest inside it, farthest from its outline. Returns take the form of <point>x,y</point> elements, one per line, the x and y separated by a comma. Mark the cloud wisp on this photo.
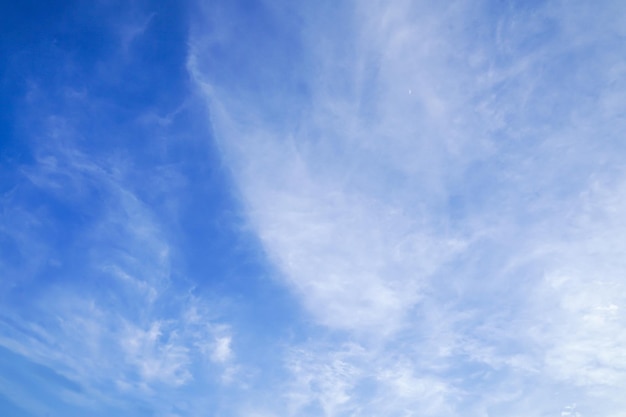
<point>426,177</point>
<point>99,315</point>
<point>126,327</point>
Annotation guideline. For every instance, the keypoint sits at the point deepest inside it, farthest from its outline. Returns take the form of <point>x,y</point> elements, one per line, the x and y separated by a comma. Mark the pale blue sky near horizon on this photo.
<point>271,208</point>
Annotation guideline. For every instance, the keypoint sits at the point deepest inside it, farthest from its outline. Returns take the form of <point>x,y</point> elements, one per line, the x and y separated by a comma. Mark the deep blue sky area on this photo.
<point>122,96</point>
<point>269,208</point>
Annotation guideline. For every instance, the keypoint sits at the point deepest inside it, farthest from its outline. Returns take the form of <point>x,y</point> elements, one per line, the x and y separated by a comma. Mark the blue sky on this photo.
<point>278,208</point>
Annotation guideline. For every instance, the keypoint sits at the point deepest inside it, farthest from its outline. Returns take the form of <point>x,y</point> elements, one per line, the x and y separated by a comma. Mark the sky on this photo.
<point>273,208</point>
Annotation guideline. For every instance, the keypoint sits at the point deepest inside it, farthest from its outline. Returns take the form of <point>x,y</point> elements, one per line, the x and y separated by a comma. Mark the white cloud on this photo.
<point>358,260</point>
<point>348,379</point>
<point>459,221</point>
<point>585,283</point>
<point>222,352</point>
<point>159,357</point>
<point>109,316</point>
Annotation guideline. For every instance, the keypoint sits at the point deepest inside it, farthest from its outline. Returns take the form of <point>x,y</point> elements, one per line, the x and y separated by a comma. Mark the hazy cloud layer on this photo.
<point>440,183</point>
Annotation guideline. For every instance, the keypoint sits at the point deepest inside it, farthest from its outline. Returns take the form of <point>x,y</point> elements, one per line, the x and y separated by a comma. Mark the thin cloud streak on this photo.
<point>126,327</point>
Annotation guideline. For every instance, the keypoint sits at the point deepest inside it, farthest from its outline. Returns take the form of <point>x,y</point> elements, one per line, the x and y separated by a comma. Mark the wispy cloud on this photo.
<point>109,316</point>
<point>426,176</point>
<point>136,268</point>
